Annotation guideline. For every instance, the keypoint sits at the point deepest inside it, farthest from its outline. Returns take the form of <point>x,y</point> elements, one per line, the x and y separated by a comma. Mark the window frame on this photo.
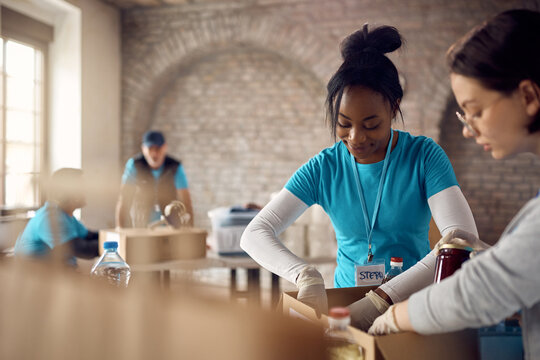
<point>29,32</point>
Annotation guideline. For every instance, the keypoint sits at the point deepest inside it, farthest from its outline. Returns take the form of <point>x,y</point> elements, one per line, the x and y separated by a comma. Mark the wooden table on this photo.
<point>214,260</point>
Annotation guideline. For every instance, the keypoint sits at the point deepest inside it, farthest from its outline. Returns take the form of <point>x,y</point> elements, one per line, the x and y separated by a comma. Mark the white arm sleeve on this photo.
<point>450,211</point>
<point>260,239</point>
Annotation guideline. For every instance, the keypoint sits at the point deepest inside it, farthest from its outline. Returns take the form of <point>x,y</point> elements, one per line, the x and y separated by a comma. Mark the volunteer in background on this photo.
<point>379,186</point>
<point>151,181</point>
<point>66,194</point>
<point>495,76</point>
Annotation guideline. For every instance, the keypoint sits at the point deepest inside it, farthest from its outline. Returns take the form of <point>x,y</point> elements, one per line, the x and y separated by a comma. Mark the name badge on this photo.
<point>369,274</point>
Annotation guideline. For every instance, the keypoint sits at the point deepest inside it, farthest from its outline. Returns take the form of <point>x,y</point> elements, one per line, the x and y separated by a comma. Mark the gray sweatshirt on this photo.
<point>490,287</point>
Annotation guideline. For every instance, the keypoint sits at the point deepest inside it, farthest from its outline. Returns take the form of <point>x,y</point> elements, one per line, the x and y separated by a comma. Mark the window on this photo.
<point>22,111</point>
<point>22,121</point>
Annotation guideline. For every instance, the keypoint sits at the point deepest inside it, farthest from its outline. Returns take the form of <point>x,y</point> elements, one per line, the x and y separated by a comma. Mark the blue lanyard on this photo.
<point>370,225</point>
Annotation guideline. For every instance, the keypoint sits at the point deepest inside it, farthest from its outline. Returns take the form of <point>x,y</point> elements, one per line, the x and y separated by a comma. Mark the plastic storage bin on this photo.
<point>228,224</point>
<point>501,342</point>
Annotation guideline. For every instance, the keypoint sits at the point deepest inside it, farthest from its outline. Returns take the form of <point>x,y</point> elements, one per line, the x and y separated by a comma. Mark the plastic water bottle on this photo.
<point>396,268</point>
<point>111,266</point>
<point>340,342</point>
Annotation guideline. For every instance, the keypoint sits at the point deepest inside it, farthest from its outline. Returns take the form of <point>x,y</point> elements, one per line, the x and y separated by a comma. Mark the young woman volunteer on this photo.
<point>495,76</point>
<point>379,186</point>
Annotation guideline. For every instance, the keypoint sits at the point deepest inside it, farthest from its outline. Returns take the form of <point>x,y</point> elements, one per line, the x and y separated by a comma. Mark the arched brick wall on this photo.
<point>147,73</point>
<point>242,120</point>
<point>160,44</point>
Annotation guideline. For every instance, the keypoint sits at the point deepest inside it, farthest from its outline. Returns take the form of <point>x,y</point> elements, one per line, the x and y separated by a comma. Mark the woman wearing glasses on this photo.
<point>379,187</point>
<point>495,76</point>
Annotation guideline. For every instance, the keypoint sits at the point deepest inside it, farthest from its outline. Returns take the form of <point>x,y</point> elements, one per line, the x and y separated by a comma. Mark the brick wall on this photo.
<point>224,115</point>
<point>239,88</point>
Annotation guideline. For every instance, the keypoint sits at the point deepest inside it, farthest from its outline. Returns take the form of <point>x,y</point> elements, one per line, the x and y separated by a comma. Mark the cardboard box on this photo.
<point>48,313</point>
<point>405,346</point>
<point>146,246</point>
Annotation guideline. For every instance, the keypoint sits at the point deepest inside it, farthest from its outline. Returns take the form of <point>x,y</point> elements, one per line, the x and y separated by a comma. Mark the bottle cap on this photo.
<point>396,259</point>
<point>110,245</point>
<point>339,312</point>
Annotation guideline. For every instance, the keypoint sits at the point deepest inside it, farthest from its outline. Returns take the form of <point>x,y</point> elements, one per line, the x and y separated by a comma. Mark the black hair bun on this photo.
<point>382,40</point>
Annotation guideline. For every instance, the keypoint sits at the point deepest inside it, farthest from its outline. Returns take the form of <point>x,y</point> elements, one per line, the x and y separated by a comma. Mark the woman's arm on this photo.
<point>450,211</point>
<point>260,239</point>
<point>488,288</point>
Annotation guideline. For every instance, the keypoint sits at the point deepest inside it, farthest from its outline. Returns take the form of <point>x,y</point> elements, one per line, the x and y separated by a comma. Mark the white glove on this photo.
<point>311,290</point>
<point>462,238</point>
<point>385,324</point>
<point>366,310</point>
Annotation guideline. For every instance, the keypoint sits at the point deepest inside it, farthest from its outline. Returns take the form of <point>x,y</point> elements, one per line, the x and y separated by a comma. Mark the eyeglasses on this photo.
<point>465,123</point>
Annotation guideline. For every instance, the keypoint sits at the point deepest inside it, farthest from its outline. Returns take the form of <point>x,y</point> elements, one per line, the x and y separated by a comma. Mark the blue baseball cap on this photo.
<point>153,138</point>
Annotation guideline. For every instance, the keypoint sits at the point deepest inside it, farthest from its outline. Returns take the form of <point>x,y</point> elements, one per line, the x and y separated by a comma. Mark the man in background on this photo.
<point>151,181</point>
<point>54,227</point>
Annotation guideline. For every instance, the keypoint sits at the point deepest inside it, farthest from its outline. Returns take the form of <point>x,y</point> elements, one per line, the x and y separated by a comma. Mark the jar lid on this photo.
<point>456,246</point>
<point>339,312</point>
<point>396,259</point>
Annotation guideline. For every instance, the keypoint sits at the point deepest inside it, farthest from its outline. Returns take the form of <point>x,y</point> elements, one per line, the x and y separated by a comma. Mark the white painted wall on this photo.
<point>101,101</point>
<point>64,136</point>
<point>84,98</point>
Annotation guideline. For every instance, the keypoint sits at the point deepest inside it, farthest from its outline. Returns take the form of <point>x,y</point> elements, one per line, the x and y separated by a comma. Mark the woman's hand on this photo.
<point>311,290</point>
<point>366,310</point>
<point>386,323</point>
<point>461,238</point>
<point>394,320</point>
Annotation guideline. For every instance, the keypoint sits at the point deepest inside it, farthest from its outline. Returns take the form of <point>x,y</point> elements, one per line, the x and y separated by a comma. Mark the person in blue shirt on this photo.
<point>54,227</point>
<point>379,186</point>
<point>150,182</point>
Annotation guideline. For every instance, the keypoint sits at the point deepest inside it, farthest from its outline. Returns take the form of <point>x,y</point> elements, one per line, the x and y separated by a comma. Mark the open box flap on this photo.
<point>294,308</point>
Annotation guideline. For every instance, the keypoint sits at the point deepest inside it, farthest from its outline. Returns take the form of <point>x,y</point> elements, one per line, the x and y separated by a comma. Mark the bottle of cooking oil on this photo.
<point>340,343</point>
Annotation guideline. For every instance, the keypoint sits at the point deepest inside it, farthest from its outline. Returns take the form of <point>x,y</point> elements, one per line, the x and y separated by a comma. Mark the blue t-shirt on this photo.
<point>37,238</point>
<point>130,177</point>
<point>418,169</point>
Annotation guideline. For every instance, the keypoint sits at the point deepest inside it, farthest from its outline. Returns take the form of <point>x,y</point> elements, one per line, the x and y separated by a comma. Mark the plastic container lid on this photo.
<point>110,245</point>
<point>339,312</point>
<point>396,259</point>
<point>224,217</point>
<point>455,246</point>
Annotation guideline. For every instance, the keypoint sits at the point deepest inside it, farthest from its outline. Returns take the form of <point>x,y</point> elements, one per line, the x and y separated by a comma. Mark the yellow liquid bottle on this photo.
<point>340,343</point>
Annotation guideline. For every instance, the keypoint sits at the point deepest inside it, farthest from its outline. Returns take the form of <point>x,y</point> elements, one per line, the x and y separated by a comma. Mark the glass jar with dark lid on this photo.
<point>450,258</point>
